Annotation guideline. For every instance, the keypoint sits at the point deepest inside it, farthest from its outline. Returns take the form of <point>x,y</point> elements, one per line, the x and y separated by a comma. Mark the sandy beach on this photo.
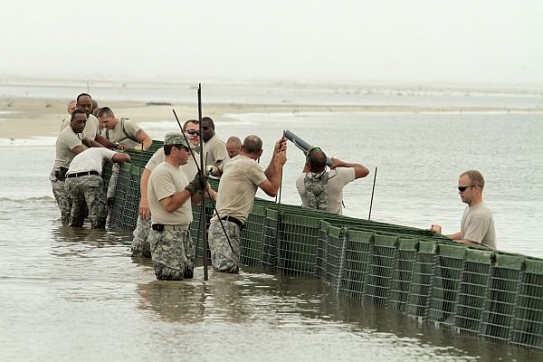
<point>42,116</point>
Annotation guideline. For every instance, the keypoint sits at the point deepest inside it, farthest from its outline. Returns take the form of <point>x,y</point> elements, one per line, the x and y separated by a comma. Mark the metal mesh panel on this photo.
<point>499,310</point>
<point>252,238</point>
<point>528,322</point>
<point>124,214</point>
<point>473,289</point>
<point>421,284</point>
<point>269,248</point>
<point>401,281</point>
<point>383,262</point>
<point>334,250</point>
<point>356,261</point>
<point>446,285</point>
<point>297,243</point>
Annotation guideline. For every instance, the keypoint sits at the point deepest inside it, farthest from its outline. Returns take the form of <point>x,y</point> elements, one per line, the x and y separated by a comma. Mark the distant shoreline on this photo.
<point>36,117</point>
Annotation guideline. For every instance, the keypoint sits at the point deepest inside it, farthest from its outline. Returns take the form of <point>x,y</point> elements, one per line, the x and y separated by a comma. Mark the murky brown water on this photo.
<point>75,295</point>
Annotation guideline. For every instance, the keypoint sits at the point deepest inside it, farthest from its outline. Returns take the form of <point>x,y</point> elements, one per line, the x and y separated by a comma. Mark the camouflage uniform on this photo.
<point>63,199</point>
<point>173,253</point>
<point>316,188</point>
<point>140,245</point>
<point>87,191</point>
<point>223,259</point>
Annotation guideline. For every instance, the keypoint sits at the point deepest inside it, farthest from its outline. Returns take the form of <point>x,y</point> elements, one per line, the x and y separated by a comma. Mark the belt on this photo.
<point>238,222</point>
<point>80,174</point>
<point>162,227</point>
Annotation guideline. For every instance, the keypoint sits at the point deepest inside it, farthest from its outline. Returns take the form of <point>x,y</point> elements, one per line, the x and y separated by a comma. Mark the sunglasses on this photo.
<point>193,132</point>
<point>464,188</point>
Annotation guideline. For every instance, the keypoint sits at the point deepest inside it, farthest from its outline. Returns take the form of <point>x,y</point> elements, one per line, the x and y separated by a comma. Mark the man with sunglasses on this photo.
<point>321,189</point>
<point>477,225</point>
<point>140,243</point>
<point>170,195</point>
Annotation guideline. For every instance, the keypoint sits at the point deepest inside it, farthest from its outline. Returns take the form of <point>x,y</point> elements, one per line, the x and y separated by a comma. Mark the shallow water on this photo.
<point>75,294</point>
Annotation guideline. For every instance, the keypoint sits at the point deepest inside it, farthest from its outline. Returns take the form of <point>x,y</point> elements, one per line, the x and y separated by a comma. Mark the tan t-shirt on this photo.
<point>189,169</point>
<point>67,140</point>
<point>214,150</point>
<point>337,179</point>
<point>91,127</point>
<point>239,182</point>
<point>117,135</point>
<point>166,180</point>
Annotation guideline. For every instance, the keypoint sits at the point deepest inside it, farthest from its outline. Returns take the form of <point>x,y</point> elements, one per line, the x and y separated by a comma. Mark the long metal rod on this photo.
<point>372,192</point>
<point>203,216</point>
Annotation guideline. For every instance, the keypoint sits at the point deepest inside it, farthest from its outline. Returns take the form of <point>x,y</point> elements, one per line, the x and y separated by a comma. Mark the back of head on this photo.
<point>475,177</point>
<point>252,144</point>
<point>316,159</point>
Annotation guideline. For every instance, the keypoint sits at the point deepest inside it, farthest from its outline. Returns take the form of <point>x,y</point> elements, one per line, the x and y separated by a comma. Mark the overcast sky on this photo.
<point>460,41</point>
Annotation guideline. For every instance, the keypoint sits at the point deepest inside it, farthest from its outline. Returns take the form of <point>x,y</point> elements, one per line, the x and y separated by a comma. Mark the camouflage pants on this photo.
<point>87,191</point>
<point>140,243</point>
<point>173,254</point>
<point>223,257</point>
<point>63,200</point>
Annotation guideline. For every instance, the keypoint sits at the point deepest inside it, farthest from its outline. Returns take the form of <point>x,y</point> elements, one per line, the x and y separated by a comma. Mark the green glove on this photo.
<point>202,181</point>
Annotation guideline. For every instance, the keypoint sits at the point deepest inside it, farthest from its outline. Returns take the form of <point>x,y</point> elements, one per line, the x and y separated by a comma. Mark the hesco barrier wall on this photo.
<point>470,289</point>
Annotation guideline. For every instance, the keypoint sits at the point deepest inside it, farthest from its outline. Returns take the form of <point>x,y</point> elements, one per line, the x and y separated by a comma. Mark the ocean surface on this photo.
<point>75,294</point>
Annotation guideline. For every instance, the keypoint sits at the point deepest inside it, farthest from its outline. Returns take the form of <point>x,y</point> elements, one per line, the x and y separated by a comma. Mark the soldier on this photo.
<point>140,244</point>
<point>85,185</point>
<point>214,148</point>
<point>170,194</point>
<point>123,132</point>
<point>239,183</point>
<point>321,189</point>
<point>70,142</point>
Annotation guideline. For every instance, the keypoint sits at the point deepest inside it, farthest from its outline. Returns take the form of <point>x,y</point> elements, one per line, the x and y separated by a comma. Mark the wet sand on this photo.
<point>34,117</point>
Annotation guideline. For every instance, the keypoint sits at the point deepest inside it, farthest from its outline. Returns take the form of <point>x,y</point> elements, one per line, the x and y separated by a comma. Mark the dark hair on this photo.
<point>77,111</point>
<point>105,110</point>
<point>316,159</point>
<point>83,95</point>
<point>210,121</point>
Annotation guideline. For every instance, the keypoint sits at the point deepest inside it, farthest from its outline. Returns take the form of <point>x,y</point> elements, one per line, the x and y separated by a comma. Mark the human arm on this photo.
<point>91,143</point>
<point>458,236</point>
<point>359,170</point>
<point>175,201</point>
<point>144,139</point>
<point>104,142</point>
<point>144,203</point>
<point>274,170</point>
<point>120,157</point>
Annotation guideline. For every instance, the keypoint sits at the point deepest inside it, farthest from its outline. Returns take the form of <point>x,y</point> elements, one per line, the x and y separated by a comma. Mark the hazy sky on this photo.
<point>472,41</point>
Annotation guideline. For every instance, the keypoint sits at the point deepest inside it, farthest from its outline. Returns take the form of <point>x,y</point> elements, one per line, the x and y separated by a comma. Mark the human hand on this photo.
<point>436,228</point>
<point>211,170</point>
<point>280,145</point>
<point>144,210</point>
<point>336,162</point>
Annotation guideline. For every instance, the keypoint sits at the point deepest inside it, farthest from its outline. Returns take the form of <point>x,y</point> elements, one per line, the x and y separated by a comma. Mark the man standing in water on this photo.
<point>170,195</point>
<point>241,178</point>
<point>321,189</point>
<point>477,225</point>
<point>70,142</point>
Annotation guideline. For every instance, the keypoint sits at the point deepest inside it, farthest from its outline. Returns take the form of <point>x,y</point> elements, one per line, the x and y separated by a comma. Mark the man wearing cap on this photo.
<point>321,189</point>
<point>85,185</point>
<point>168,191</point>
<point>140,244</point>
<point>241,178</point>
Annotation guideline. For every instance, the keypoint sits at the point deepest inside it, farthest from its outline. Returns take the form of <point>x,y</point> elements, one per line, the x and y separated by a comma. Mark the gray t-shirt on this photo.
<point>478,225</point>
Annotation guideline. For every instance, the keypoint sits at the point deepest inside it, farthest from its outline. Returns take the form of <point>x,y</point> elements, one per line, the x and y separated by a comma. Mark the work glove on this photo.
<point>199,183</point>
<point>211,170</point>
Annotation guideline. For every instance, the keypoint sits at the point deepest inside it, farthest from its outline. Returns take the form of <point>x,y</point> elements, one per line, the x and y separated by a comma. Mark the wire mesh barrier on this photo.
<point>469,289</point>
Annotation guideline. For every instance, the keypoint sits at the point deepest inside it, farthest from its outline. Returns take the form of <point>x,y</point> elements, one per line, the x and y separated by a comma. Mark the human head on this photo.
<point>84,102</point>
<point>315,159</point>
<point>94,106</point>
<point>233,146</point>
<point>252,147</point>
<point>107,118</point>
<point>175,140</point>
<point>78,120</point>
<point>474,183</point>
<point>71,106</point>
<point>208,128</point>
<point>192,130</point>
